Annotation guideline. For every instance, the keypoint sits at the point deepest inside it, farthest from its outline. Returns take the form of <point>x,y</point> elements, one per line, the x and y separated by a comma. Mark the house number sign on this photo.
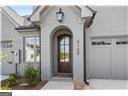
<point>78,49</point>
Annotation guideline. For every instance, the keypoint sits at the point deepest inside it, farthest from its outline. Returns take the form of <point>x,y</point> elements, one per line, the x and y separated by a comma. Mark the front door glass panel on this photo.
<point>64,54</point>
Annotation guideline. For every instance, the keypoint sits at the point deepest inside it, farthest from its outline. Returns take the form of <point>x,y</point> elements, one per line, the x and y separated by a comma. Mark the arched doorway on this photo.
<point>62,53</point>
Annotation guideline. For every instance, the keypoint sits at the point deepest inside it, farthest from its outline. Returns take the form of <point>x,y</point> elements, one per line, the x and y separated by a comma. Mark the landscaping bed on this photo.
<point>3,82</point>
<point>30,80</point>
<point>20,80</point>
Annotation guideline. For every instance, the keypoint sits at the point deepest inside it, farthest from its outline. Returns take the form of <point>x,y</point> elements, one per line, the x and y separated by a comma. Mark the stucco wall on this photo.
<point>8,32</point>
<point>109,20</point>
<point>48,24</point>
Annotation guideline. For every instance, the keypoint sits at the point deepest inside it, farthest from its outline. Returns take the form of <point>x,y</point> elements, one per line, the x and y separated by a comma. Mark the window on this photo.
<point>32,49</point>
<point>64,47</point>
<point>101,42</point>
<point>122,41</point>
<point>6,44</point>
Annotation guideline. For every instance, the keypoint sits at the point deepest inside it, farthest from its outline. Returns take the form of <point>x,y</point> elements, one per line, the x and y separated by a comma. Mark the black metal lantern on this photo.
<point>60,15</point>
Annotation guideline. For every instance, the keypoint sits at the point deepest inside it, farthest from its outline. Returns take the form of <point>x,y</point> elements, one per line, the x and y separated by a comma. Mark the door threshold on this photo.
<point>56,78</point>
<point>63,75</point>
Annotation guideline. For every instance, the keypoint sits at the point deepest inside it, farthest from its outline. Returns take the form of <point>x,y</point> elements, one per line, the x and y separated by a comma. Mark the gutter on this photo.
<point>34,11</point>
<point>93,16</point>
<point>84,42</point>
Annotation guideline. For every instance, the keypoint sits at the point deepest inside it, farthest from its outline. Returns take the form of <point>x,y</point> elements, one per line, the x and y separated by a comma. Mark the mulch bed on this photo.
<point>3,82</point>
<point>21,80</point>
<point>79,85</point>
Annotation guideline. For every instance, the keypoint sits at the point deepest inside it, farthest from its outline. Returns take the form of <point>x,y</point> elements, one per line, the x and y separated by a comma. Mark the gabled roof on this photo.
<point>84,10</point>
<point>16,18</point>
<point>37,8</point>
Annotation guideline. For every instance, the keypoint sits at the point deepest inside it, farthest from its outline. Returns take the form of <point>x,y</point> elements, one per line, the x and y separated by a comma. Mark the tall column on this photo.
<point>78,66</point>
<point>45,54</point>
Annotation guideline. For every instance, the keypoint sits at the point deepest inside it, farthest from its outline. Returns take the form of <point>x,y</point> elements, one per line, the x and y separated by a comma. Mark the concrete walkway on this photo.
<point>3,77</point>
<point>59,83</point>
<point>108,84</point>
<point>94,84</point>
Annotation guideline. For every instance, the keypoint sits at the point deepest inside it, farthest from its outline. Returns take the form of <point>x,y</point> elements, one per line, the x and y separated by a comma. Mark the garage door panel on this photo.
<point>100,63</point>
<point>109,58</point>
<point>119,62</point>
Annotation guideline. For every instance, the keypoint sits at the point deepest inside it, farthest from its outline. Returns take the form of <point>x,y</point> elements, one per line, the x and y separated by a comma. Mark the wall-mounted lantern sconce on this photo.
<point>60,15</point>
<point>14,53</point>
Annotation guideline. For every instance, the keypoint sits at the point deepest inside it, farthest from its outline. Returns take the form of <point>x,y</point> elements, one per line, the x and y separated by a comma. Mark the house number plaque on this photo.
<point>78,49</point>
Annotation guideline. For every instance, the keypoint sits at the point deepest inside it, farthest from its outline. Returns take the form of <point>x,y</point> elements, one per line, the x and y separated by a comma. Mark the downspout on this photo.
<point>38,28</point>
<point>84,45</point>
<point>40,52</point>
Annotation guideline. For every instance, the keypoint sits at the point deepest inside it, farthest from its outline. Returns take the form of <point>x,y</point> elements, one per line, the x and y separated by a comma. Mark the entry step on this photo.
<point>61,79</point>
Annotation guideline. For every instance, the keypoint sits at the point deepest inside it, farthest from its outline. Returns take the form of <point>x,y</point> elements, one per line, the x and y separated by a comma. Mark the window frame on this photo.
<point>101,42</point>
<point>64,44</point>
<point>7,42</point>
<point>122,41</point>
<point>24,49</point>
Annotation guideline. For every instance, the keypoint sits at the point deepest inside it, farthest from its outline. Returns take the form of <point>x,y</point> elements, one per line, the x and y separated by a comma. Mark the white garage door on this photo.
<point>108,58</point>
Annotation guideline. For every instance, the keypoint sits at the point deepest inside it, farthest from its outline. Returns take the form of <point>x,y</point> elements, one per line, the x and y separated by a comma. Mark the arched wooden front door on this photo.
<point>64,54</point>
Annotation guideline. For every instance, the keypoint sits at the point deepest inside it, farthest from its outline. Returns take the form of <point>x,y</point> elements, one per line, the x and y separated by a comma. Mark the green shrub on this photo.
<point>10,62</point>
<point>11,81</point>
<point>5,88</point>
<point>13,74</point>
<point>31,75</point>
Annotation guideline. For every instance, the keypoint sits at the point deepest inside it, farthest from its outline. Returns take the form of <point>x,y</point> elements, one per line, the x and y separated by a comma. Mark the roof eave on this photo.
<point>27,30</point>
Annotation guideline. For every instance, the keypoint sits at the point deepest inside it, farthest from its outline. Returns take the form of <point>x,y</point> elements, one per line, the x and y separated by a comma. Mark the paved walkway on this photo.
<point>108,84</point>
<point>59,84</point>
<point>3,77</point>
<point>94,84</point>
